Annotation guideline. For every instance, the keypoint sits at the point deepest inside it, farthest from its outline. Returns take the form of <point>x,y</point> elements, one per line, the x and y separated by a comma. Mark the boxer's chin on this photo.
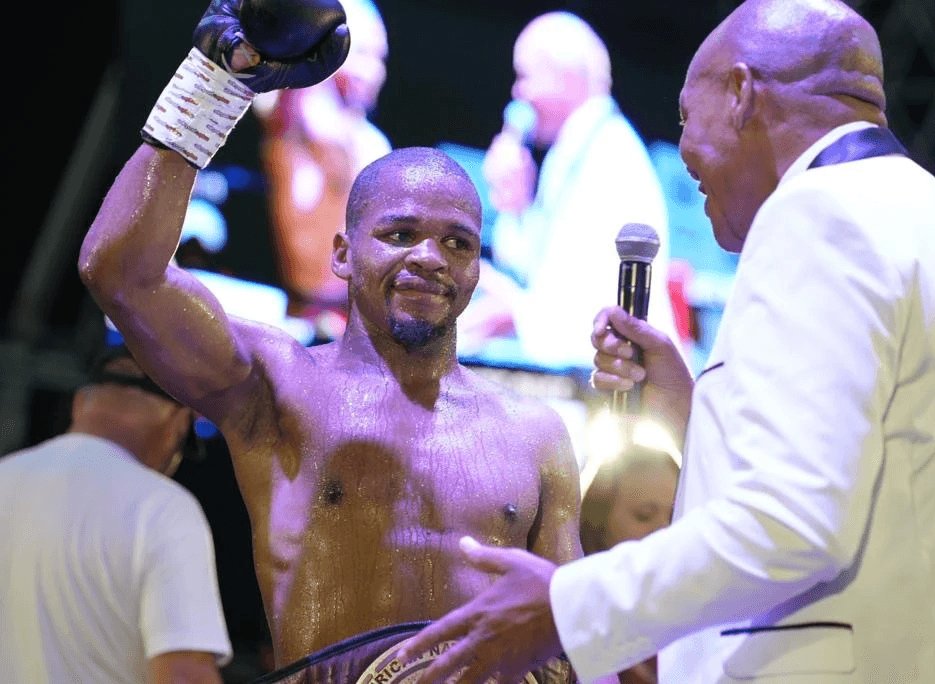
<point>415,333</point>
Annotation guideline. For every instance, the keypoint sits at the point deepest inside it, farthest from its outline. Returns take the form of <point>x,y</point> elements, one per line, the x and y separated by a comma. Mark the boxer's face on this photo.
<point>414,256</point>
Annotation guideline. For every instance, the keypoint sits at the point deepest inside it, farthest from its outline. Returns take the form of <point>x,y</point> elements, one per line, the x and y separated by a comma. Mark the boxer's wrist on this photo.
<point>197,110</point>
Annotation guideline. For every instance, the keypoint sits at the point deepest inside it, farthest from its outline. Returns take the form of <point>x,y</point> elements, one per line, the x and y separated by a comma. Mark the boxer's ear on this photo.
<point>339,257</point>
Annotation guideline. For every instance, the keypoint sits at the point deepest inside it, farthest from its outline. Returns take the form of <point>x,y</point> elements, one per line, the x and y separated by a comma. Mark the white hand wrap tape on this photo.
<point>198,109</point>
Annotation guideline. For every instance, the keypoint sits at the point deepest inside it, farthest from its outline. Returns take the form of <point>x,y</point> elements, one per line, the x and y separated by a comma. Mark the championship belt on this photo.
<point>367,658</point>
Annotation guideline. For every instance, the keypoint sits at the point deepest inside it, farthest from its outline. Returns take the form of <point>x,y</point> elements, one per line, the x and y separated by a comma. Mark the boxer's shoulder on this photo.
<point>278,353</point>
<point>526,415</point>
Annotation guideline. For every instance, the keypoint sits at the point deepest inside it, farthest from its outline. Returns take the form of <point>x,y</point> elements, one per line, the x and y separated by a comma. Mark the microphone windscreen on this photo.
<point>637,242</point>
<point>520,118</point>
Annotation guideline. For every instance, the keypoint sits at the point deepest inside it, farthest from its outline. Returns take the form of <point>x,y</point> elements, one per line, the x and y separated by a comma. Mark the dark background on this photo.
<point>78,92</point>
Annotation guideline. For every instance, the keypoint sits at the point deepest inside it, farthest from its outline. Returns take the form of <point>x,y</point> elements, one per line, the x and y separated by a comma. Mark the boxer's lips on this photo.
<point>411,286</point>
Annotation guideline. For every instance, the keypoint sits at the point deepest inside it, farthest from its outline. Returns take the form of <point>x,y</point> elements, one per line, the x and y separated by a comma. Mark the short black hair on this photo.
<point>367,183</point>
<point>101,374</point>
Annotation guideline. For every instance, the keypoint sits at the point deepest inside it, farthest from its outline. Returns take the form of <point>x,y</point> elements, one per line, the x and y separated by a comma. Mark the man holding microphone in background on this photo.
<point>596,176</point>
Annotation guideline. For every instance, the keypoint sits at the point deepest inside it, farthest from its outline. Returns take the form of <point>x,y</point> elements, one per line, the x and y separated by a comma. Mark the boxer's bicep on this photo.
<point>183,338</point>
<point>173,325</point>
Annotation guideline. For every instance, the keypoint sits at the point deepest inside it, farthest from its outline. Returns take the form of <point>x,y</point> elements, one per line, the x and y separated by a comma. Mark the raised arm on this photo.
<point>174,326</point>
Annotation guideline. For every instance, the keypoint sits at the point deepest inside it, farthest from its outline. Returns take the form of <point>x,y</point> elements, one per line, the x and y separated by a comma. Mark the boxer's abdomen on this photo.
<point>361,530</point>
<point>361,582</point>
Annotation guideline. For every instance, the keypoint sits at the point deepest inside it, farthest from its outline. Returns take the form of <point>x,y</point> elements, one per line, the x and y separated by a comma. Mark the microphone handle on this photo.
<point>633,297</point>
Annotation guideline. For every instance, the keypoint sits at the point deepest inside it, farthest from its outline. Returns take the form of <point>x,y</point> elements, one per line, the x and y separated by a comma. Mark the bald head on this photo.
<point>361,77</point>
<point>822,47</point>
<point>567,43</point>
<point>560,62</point>
<point>424,168</point>
<point>771,80</point>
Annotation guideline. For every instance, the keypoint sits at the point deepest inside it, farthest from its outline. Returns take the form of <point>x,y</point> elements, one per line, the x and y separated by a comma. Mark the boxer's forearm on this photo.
<point>137,229</point>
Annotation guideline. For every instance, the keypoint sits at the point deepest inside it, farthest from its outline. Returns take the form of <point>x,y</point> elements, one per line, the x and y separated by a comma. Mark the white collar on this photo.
<point>83,442</point>
<point>579,124</point>
<point>801,164</point>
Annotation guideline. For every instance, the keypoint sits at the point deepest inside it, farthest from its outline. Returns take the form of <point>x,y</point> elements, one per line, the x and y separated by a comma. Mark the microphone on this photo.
<point>519,120</point>
<point>637,245</point>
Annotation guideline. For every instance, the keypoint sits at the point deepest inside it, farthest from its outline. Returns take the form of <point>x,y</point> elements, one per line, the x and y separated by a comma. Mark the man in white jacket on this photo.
<point>802,542</point>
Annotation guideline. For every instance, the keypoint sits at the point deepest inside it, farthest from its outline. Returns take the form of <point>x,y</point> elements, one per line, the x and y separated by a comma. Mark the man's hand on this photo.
<point>668,386</point>
<point>510,173</point>
<point>505,632</point>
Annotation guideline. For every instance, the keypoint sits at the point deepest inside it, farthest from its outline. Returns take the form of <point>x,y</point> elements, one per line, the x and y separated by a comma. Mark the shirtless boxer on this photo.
<point>361,462</point>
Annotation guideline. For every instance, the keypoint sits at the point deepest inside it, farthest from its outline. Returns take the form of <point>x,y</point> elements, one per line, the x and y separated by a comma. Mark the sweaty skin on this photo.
<point>361,462</point>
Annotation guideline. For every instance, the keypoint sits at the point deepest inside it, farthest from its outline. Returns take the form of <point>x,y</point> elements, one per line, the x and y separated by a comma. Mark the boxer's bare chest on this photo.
<point>365,475</point>
<point>367,445</point>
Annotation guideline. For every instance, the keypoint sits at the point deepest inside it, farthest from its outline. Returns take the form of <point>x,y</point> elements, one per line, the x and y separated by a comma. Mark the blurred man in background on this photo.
<point>109,571</point>
<point>314,142</point>
<point>554,260</point>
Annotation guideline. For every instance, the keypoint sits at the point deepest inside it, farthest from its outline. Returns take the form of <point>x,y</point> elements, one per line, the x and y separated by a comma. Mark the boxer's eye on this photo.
<point>457,243</point>
<point>400,237</point>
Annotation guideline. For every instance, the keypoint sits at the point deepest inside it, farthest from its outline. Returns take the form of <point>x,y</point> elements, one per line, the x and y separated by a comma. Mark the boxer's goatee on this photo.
<point>413,334</point>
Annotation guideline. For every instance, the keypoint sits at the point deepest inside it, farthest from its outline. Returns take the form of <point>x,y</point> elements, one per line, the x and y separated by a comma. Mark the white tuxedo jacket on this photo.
<point>802,546</point>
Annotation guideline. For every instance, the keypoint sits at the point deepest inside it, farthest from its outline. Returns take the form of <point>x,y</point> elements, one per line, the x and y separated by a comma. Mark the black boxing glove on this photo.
<point>281,43</point>
<point>243,47</point>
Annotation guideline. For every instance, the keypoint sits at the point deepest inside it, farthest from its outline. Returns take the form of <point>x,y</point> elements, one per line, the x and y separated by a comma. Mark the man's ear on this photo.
<point>742,94</point>
<point>178,425</point>
<point>340,265</point>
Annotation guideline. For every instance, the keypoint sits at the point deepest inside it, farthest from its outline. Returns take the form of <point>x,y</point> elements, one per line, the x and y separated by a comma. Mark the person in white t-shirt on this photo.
<point>109,573</point>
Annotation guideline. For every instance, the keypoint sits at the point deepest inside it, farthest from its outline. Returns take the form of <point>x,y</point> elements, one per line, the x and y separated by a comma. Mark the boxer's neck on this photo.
<point>370,347</point>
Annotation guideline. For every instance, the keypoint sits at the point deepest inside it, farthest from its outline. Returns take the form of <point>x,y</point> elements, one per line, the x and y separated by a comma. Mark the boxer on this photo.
<point>363,461</point>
